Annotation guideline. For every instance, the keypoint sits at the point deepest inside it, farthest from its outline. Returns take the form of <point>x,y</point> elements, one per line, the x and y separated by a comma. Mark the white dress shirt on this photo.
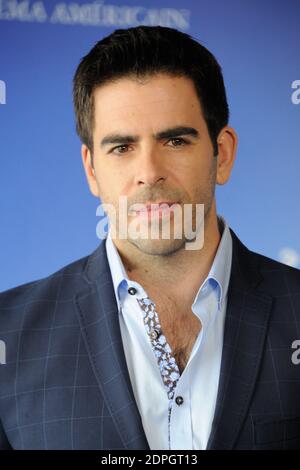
<point>191,421</point>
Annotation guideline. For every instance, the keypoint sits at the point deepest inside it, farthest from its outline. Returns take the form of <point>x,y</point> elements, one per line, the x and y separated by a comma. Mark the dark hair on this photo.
<point>147,50</point>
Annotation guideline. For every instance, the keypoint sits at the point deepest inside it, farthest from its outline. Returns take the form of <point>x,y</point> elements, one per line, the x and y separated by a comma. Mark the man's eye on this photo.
<point>178,142</point>
<point>121,148</point>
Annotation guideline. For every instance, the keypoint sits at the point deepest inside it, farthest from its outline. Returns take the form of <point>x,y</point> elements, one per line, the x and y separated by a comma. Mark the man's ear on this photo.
<point>89,170</point>
<point>227,144</point>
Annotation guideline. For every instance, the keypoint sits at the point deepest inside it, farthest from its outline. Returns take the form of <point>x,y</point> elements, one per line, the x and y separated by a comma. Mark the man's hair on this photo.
<point>143,51</point>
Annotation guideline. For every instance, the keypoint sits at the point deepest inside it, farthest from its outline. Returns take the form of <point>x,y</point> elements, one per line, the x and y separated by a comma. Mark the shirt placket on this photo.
<point>166,362</point>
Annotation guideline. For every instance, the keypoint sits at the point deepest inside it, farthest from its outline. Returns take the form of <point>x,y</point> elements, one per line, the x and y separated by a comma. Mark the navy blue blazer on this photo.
<point>65,384</point>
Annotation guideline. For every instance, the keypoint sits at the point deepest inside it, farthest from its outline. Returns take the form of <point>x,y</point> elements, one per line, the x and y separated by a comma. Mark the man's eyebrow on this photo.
<point>170,133</point>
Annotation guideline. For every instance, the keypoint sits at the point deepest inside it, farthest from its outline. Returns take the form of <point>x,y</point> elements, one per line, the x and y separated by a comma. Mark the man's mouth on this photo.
<point>155,209</point>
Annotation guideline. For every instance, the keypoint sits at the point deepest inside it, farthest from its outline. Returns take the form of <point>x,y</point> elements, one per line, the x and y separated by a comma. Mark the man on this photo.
<point>151,342</point>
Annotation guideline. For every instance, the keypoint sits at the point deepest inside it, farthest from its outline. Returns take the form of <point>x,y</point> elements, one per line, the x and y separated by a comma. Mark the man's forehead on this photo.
<point>154,90</point>
<point>124,108</point>
<point>150,111</point>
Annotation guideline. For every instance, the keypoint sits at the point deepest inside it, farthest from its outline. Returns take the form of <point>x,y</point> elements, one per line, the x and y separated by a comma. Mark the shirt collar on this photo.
<point>218,277</point>
<point>216,280</point>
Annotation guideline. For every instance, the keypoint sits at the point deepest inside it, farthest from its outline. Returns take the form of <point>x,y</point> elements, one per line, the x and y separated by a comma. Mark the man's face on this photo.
<point>151,166</point>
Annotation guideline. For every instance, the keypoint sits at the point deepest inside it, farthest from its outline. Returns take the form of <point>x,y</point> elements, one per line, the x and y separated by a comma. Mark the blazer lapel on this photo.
<point>98,316</point>
<point>247,315</point>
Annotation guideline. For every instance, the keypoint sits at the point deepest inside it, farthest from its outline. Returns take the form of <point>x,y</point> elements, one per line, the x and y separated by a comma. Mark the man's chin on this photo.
<point>160,247</point>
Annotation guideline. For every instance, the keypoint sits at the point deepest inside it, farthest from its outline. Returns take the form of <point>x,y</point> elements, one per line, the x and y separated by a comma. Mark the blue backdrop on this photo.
<point>48,216</point>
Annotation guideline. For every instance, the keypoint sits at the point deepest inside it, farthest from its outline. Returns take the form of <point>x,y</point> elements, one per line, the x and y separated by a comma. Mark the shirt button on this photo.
<point>132,290</point>
<point>154,334</point>
<point>179,400</point>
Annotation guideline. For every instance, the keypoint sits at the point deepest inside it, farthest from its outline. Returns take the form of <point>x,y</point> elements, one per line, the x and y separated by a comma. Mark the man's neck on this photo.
<point>178,275</point>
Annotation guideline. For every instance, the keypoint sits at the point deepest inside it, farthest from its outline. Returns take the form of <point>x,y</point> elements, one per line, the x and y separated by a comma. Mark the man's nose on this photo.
<point>150,168</point>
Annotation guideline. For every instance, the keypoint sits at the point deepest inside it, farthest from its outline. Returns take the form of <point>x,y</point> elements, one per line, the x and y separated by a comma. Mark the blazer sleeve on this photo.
<point>4,444</point>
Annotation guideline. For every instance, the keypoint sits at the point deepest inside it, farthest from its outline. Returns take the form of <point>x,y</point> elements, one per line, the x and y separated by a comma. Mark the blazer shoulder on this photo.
<point>265,263</point>
<point>269,264</point>
<point>279,277</point>
<point>63,282</point>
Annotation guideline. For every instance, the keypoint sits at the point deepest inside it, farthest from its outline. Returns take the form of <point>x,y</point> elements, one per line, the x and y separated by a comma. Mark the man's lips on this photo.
<point>149,206</point>
<point>160,207</point>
